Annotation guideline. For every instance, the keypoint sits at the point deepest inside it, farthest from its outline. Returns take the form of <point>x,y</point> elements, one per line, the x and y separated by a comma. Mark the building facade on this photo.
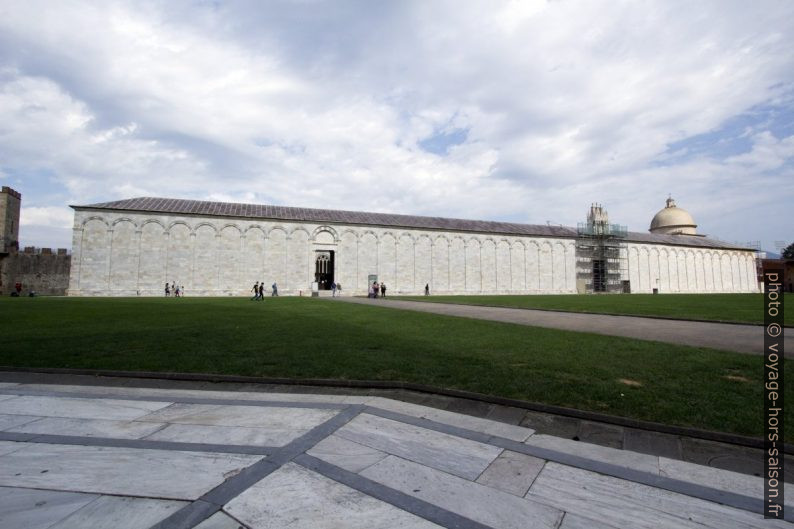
<point>133,247</point>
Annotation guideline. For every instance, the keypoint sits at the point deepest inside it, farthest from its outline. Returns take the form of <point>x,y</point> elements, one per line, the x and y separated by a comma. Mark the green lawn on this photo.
<point>719,307</point>
<point>310,338</point>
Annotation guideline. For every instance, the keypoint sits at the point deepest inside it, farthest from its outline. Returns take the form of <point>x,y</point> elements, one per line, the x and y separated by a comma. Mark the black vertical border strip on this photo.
<point>774,389</point>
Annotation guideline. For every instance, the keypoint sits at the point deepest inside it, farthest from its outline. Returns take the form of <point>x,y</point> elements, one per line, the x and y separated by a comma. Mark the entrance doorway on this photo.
<point>324,268</point>
<point>599,276</point>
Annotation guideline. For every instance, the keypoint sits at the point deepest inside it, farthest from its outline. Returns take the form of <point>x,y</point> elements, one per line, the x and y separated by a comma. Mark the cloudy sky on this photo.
<point>525,111</point>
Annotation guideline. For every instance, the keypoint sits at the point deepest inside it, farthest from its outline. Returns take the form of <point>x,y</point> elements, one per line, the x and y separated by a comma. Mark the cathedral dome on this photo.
<point>673,220</point>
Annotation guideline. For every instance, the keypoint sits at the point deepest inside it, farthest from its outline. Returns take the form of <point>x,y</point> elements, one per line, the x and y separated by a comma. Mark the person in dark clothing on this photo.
<point>262,291</point>
<point>427,289</point>
<point>255,290</point>
<point>383,290</point>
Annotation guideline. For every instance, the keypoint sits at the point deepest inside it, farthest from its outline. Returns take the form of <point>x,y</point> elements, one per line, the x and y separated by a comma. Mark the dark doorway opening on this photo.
<point>324,269</point>
<point>599,276</point>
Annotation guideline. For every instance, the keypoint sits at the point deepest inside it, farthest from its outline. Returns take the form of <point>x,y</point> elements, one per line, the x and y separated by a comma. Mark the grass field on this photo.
<point>746,308</point>
<point>310,338</point>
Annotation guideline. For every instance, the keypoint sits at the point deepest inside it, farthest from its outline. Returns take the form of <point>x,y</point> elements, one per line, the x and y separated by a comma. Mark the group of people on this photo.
<point>377,289</point>
<point>259,291</point>
<point>178,290</point>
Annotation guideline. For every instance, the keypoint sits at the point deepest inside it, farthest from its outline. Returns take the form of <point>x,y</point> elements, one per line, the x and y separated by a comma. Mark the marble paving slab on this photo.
<point>233,435</point>
<point>38,509</point>
<point>458,456</point>
<point>477,424</point>
<point>114,512</point>
<point>273,418</point>
<point>346,454</point>
<point>12,421</point>
<point>6,397</point>
<point>716,478</point>
<point>219,520</point>
<point>6,447</point>
<point>89,428</point>
<point>605,454</point>
<point>626,504</point>
<point>512,472</point>
<point>7,385</point>
<point>474,501</point>
<point>178,412</point>
<point>123,391</point>
<point>120,471</point>
<point>298,498</point>
<point>574,521</point>
<point>76,408</point>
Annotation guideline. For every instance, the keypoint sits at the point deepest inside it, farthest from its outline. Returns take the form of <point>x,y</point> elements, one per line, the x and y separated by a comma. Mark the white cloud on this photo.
<point>324,104</point>
<point>768,153</point>
<point>50,216</point>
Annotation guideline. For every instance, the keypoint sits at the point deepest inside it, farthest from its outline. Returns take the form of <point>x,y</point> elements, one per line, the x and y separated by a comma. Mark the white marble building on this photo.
<point>133,247</point>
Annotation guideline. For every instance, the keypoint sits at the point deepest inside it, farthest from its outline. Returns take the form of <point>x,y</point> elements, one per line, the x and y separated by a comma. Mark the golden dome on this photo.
<point>673,220</point>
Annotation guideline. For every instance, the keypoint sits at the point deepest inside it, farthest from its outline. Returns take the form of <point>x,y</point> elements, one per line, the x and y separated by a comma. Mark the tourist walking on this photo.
<point>167,290</point>
<point>383,290</point>
<point>262,291</point>
<point>176,291</point>
<point>333,289</point>
<point>275,290</point>
<point>255,290</point>
<point>427,289</point>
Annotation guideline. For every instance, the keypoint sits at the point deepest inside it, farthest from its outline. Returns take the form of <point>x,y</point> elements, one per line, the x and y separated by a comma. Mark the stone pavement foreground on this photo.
<point>74,456</point>
<point>726,336</point>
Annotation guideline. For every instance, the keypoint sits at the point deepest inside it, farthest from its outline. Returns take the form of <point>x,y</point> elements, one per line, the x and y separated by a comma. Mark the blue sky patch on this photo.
<point>440,142</point>
<point>735,135</point>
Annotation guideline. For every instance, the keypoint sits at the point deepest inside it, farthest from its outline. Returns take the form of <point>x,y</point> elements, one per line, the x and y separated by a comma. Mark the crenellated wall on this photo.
<point>40,270</point>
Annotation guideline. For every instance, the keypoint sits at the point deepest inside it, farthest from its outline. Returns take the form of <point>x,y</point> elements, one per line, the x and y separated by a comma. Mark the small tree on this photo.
<point>788,252</point>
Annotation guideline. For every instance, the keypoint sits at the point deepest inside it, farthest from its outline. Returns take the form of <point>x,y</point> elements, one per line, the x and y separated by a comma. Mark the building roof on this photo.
<point>333,216</point>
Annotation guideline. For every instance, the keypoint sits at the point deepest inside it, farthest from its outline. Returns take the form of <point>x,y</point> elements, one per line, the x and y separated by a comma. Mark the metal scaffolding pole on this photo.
<point>601,254</point>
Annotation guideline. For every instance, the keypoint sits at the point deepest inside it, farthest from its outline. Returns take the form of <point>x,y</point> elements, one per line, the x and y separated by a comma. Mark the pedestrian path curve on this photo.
<point>726,336</point>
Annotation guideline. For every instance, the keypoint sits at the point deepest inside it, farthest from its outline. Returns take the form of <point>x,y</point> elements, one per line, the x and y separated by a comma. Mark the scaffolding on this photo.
<point>601,254</point>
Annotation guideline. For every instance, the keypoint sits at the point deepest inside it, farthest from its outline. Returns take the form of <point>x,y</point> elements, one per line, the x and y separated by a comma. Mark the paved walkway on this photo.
<point>726,336</point>
<point>84,456</point>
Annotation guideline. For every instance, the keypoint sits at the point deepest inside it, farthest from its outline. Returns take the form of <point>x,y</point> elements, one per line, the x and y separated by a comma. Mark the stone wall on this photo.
<point>40,270</point>
<point>685,269</point>
<point>10,202</point>
<point>131,254</point>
